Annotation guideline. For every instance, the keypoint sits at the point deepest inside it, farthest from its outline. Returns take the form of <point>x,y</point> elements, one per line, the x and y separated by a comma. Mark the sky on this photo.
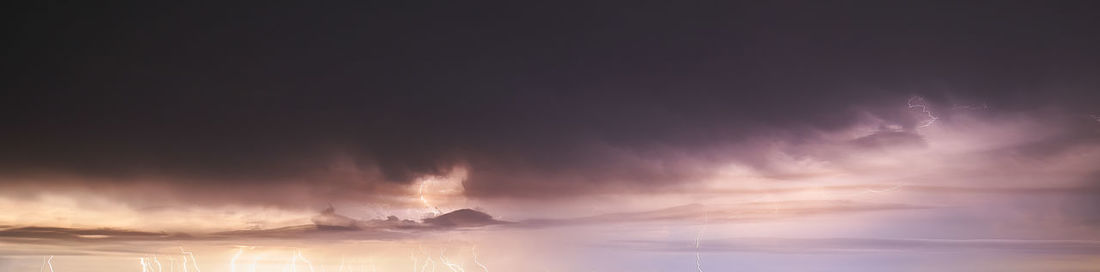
<point>523,136</point>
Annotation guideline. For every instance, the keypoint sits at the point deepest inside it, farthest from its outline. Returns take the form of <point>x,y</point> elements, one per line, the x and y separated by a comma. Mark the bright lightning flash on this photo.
<point>698,238</point>
<point>918,103</point>
<point>473,251</point>
<point>194,262</point>
<point>48,262</point>
<point>453,266</point>
<point>424,200</point>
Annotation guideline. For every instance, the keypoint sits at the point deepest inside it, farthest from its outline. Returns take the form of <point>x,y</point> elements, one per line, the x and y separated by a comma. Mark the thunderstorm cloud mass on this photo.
<point>524,136</point>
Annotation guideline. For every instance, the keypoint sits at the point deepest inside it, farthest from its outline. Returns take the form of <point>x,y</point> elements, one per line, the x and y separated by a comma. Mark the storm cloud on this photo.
<point>535,101</point>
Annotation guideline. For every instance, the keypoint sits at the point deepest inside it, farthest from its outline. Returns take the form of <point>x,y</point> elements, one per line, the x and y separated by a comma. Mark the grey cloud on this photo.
<point>31,234</point>
<point>327,225</point>
<point>890,139</point>
<point>746,212</point>
<point>869,245</point>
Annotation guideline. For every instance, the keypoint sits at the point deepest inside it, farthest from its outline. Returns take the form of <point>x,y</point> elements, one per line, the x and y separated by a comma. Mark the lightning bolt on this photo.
<point>427,261</point>
<point>698,239</point>
<point>194,262</point>
<point>159,267</point>
<point>254,261</point>
<point>305,260</point>
<point>917,102</point>
<point>184,261</point>
<point>434,210</point>
<point>144,267</point>
<point>473,251</point>
<point>46,262</point>
<point>233,261</point>
<point>454,267</point>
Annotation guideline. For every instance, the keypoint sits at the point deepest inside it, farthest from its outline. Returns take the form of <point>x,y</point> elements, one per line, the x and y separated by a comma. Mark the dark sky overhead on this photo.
<point>533,98</point>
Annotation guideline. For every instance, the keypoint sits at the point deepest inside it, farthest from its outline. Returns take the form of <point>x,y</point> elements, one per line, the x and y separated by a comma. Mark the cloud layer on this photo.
<point>534,107</point>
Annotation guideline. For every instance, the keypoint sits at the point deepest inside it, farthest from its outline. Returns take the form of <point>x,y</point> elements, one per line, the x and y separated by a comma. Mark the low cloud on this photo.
<point>869,245</point>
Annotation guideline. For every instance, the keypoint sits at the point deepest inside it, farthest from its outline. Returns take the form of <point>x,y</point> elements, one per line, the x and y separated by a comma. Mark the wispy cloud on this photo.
<point>868,245</point>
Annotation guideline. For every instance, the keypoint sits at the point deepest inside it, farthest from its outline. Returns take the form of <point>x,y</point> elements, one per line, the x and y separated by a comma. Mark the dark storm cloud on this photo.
<point>534,99</point>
